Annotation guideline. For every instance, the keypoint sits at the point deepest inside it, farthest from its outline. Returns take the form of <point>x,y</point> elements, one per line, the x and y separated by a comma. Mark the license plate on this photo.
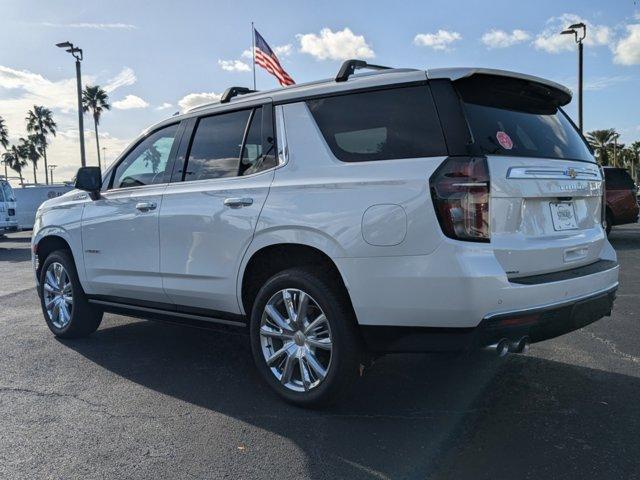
<point>563,216</point>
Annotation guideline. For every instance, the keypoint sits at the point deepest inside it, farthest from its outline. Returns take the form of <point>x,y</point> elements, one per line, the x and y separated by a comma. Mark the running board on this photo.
<point>152,313</point>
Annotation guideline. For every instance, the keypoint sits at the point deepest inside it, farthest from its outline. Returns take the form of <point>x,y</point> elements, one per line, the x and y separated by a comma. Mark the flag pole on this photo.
<point>253,53</point>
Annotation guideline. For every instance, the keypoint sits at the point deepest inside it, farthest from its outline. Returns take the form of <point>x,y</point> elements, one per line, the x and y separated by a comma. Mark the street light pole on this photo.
<point>51,169</point>
<point>77,54</point>
<point>579,30</point>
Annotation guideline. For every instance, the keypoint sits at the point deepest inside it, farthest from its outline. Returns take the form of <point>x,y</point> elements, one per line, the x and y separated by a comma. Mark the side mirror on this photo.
<point>89,179</point>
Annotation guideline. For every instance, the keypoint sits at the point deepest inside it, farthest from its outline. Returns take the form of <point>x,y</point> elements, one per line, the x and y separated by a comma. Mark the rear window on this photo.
<point>380,125</point>
<point>520,118</point>
<point>6,189</point>
<point>618,179</point>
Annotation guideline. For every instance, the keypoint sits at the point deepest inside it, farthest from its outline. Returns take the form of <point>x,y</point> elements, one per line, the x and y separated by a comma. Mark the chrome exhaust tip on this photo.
<point>521,346</point>
<point>501,348</point>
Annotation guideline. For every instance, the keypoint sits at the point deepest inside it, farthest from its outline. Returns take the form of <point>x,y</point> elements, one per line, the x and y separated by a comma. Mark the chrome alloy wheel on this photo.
<point>296,339</point>
<point>58,295</point>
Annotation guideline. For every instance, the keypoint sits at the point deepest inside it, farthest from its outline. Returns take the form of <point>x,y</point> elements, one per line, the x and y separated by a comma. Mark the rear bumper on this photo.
<point>538,324</point>
<point>457,286</point>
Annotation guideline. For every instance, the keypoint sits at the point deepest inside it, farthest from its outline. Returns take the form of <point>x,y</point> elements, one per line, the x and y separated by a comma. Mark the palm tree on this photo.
<point>95,99</point>
<point>16,161</point>
<point>635,163</point>
<point>40,122</point>
<point>30,150</point>
<point>601,141</point>
<point>4,140</point>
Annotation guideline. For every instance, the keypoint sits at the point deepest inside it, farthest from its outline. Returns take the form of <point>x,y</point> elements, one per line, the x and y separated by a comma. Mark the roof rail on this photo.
<point>349,67</point>
<point>231,92</point>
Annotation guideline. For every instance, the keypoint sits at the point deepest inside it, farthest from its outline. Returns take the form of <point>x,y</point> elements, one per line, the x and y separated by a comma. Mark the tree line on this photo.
<point>611,153</point>
<point>40,127</point>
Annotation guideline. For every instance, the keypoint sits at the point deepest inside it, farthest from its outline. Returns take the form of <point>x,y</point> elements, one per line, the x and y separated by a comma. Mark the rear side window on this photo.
<point>380,125</point>
<point>520,118</point>
<point>215,149</point>
<point>618,179</point>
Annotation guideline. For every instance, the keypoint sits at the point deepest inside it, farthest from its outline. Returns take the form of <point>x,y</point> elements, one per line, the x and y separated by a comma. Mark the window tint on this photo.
<point>618,179</point>
<point>215,149</point>
<point>254,159</point>
<point>380,125</point>
<point>519,118</point>
<point>147,163</point>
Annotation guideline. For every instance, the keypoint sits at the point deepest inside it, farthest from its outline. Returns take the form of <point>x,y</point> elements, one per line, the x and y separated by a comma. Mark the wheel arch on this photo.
<point>47,243</point>
<point>265,260</point>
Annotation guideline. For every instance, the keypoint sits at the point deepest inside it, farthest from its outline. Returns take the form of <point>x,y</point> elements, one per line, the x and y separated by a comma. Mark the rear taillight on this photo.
<point>603,199</point>
<point>460,192</point>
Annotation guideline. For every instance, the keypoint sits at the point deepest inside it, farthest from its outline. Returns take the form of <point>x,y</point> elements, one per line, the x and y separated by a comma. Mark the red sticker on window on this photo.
<point>504,140</point>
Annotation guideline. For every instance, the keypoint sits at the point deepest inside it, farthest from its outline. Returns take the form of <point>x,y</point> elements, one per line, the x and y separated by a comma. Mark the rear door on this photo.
<point>210,210</point>
<point>546,190</point>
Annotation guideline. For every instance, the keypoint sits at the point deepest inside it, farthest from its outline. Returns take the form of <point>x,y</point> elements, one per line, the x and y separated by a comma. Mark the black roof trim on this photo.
<point>349,67</point>
<point>231,92</point>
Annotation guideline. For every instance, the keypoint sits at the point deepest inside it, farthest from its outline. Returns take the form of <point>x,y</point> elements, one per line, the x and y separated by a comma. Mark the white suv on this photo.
<point>393,211</point>
<point>8,222</point>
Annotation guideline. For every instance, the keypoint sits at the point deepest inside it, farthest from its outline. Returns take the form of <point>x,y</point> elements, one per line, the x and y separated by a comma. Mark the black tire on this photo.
<point>347,351</point>
<point>608,222</point>
<point>85,318</point>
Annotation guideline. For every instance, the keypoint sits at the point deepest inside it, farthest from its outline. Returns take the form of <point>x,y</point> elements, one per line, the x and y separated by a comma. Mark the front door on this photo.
<point>120,229</point>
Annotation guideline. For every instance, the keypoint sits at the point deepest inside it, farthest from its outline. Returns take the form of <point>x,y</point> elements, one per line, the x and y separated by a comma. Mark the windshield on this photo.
<point>7,192</point>
<point>523,119</point>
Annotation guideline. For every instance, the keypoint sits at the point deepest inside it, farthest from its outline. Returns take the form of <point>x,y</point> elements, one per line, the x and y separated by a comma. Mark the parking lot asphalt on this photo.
<point>142,399</point>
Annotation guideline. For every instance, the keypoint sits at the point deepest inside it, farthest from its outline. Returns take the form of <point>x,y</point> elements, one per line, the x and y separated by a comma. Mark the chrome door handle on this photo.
<point>145,206</point>
<point>238,202</point>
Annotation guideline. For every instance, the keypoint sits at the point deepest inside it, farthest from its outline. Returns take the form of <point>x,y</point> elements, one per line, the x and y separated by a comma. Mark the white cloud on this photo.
<point>280,51</point>
<point>501,39</point>
<point>601,83</point>
<point>340,45</point>
<point>234,66</point>
<point>94,26</point>
<point>164,106</point>
<point>627,50</point>
<point>129,102</point>
<point>21,89</point>
<point>283,50</point>
<point>441,40</point>
<point>195,99</point>
<point>125,78</point>
<point>551,41</point>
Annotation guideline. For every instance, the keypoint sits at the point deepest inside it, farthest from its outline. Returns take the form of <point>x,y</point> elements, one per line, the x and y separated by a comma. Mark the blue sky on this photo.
<point>159,57</point>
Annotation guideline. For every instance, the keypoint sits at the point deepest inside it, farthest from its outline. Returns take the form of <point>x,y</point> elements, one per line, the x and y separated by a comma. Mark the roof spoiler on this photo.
<point>349,67</point>
<point>231,92</point>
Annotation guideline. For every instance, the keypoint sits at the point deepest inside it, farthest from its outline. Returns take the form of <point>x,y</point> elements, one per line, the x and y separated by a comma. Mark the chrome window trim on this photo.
<point>281,137</point>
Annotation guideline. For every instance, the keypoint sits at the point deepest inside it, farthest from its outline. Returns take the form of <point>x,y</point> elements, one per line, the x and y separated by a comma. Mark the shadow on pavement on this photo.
<point>412,416</point>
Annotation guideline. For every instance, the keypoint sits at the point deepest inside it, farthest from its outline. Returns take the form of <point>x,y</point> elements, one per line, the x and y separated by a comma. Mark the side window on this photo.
<point>216,144</point>
<point>618,179</point>
<point>380,125</point>
<point>147,163</point>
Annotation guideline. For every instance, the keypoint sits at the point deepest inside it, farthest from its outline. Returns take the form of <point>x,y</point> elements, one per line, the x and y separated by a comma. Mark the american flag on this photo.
<point>265,57</point>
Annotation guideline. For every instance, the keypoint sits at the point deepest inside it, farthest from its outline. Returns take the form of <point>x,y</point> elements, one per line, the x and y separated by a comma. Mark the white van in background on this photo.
<point>29,199</point>
<point>8,221</point>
